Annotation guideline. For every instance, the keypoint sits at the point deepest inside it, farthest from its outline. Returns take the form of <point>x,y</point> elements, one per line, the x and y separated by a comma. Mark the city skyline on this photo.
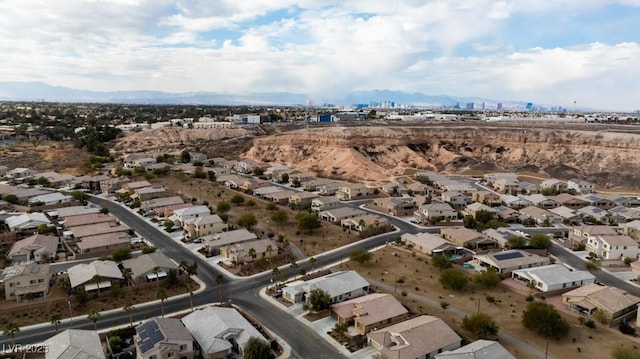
<point>540,51</point>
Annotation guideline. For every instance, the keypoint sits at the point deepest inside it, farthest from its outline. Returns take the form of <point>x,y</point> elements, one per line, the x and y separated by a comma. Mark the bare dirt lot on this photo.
<point>420,280</point>
<point>45,156</point>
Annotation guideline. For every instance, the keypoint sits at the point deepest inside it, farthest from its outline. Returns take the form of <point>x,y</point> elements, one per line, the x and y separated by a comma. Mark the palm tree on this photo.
<point>156,271</point>
<point>269,249</point>
<point>285,247</point>
<point>184,267</point>
<point>219,282</point>
<point>127,273</point>
<point>129,308</point>
<point>96,280</point>
<point>10,329</point>
<point>252,253</point>
<point>293,265</point>
<point>93,316</point>
<point>313,261</point>
<point>275,273</point>
<point>55,319</point>
<point>162,295</point>
<point>64,285</point>
<point>189,289</point>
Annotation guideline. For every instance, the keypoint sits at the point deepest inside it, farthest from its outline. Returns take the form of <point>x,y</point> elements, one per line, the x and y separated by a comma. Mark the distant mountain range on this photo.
<point>39,91</point>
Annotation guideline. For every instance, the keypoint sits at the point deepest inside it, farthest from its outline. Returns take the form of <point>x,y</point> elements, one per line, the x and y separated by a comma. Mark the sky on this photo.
<point>551,52</point>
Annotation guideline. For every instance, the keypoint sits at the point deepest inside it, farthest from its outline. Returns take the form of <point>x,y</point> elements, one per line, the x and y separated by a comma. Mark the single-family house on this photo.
<point>529,188</point>
<point>87,219</point>
<point>476,207</point>
<point>397,206</point>
<point>203,225</point>
<point>351,191</point>
<point>19,172</point>
<point>279,197</point>
<point>164,338</point>
<point>480,349</point>
<point>491,199</point>
<point>556,185</point>
<point>263,191</point>
<point>506,185</point>
<point>147,193</point>
<point>502,235</point>
<point>624,214</point>
<point>434,211</point>
<point>613,302</point>
<point>494,176</point>
<point>509,260</point>
<point>507,214</point>
<point>248,251</point>
<point>49,199</point>
<point>38,248</point>
<point>95,276</point>
<point>111,185</point>
<point>580,234</point>
<point>341,213</point>
<point>72,211</point>
<point>419,337</point>
<point>370,312</point>
<point>553,277</point>
<point>74,343</point>
<point>613,246</point>
<point>152,204</point>
<point>148,267</point>
<point>541,201</point>
<point>340,286</point>
<point>329,189</point>
<point>540,215</point>
<point>80,232</point>
<point>626,201</point>
<point>598,201</point>
<point>302,199</point>
<point>580,186</point>
<point>568,215</point>
<point>325,203</point>
<point>102,244</point>
<point>220,332</point>
<point>251,184</point>
<point>431,244</point>
<point>275,171</point>
<point>297,178</point>
<point>567,200</point>
<point>184,215</point>
<point>131,187</point>
<point>220,240</point>
<point>27,222</point>
<point>631,229</point>
<point>20,280</point>
<point>364,223</point>
<point>467,238</point>
<point>456,199</point>
<point>512,201</point>
<point>313,185</point>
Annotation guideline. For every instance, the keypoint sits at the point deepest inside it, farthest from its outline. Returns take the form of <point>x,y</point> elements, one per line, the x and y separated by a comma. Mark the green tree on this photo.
<point>172,277</point>
<point>488,278</point>
<point>11,198</point>
<point>189,288</point>
<point>341,329</point>
<point>313,261</point>
<point>10,329</point>
<point>480,325</point>
<point>223,207</point>
<point>545,320</point>
<point>441,261</point>
<point>247,220</point>
<point>148,249</point>
<point>453,279</point>
<point>444,305</point>
<point>237,199</point>
<point>168,224</point>
<point>469,222</point>
<point>308,222</point>
<point>625,353</point>
<point>127,274</point>
<point>185,156</point>
<point>271,206</point>
<point>81,297</point>
<point>591,266</point>
<point>516,242</point>
<point>55,319</point>
<point>540,241</point>
<point>96,280</point>
<point>121,254</point>
<point>319,300</point>
<point>279,217</point>
<point>257,348</point>
<point>93,316</point>
<point>361,256</point>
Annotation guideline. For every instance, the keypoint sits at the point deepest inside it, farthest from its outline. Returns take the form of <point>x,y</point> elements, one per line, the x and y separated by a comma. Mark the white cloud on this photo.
<point>325,48</point>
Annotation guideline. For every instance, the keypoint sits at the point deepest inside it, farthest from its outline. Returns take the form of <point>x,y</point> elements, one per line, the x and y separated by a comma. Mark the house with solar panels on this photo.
<point>161,338</point>
<point>22,280</point>
<point>508,261</point>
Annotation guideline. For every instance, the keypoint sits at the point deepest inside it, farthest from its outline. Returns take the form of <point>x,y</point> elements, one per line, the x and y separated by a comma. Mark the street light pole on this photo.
<point>70,313</point>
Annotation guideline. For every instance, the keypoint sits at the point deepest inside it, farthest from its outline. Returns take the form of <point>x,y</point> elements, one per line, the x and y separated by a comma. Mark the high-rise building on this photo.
<point>499,106</point>
<point>469,106</point>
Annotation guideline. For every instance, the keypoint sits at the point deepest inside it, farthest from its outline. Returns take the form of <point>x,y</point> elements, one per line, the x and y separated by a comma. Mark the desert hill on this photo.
<point>608,156</point>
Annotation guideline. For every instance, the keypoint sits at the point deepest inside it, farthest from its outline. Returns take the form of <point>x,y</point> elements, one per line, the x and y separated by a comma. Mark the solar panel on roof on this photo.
<point>508,255</point>
<point>150,334</point>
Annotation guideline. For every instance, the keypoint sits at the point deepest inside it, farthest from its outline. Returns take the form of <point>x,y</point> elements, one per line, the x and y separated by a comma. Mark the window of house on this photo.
<point>183,347</point>
<point>170,354</point>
